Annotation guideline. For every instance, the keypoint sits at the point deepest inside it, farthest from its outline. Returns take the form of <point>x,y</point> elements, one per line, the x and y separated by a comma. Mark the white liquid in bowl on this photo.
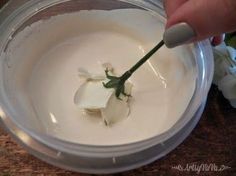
<point>46,57</point>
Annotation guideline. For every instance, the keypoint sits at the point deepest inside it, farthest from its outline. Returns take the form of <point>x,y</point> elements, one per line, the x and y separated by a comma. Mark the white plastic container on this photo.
<point>14,17</point>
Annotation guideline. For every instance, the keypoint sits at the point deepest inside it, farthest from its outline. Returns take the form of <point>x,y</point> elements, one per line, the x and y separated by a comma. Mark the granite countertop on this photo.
<point>212,142</point>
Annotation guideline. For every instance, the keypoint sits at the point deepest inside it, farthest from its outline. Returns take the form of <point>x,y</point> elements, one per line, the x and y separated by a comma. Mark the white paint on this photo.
<point>43,77</point>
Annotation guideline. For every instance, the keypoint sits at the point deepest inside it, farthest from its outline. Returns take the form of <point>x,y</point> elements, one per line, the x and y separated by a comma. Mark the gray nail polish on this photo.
<point>178,34</point>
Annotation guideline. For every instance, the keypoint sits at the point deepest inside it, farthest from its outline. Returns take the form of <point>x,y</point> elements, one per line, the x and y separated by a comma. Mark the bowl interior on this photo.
<point>42,57</point>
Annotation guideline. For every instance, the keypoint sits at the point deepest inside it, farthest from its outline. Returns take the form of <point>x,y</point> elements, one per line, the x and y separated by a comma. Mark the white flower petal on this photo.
<point>232,53</point>
<point>92,95</point>
<point>87,75</point>
<point>83,73</point>
<point>108,66</point>
<point>228,86</point>
<point>222,48</point>
<point>221,66</point>
<point>115,111</point>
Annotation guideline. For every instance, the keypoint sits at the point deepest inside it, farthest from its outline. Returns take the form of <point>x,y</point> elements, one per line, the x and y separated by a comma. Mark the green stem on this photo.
<point>127,74</point>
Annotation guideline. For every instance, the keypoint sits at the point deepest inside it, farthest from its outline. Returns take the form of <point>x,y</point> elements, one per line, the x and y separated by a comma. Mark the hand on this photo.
<point>208,18</point>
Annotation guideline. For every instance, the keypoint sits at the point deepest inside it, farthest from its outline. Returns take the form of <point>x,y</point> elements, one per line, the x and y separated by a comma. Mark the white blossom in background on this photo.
<point>225,71</point>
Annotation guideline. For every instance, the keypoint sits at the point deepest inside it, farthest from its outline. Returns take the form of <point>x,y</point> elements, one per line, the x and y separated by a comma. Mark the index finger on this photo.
<point>172,5</point>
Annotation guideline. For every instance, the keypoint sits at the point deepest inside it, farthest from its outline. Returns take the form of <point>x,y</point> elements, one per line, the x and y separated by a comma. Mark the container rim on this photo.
<point>205,64</point>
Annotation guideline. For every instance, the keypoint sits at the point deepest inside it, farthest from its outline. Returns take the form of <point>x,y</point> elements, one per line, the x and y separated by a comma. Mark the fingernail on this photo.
<point>178,34</point>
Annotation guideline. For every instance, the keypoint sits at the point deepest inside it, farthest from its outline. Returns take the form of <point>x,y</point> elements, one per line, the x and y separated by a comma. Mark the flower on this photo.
<point>225,71</point>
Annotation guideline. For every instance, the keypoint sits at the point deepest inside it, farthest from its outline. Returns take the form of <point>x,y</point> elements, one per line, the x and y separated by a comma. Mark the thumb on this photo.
<point>206,17</point>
